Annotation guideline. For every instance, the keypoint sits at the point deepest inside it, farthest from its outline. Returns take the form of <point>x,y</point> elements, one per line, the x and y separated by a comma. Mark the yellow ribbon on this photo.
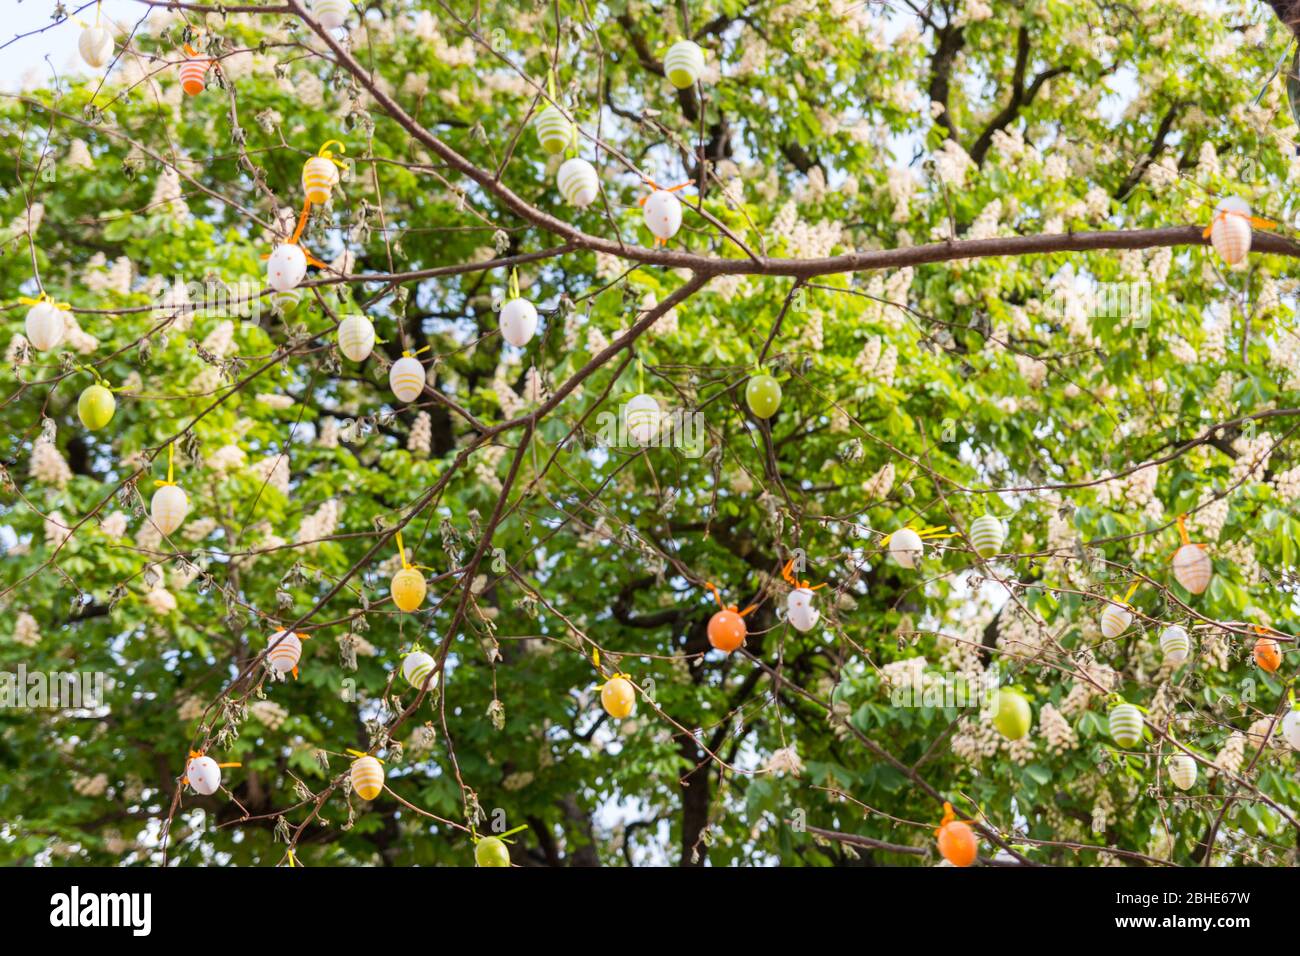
<point>1132,589</point>
<point>171,460</point>
<point>45,297</point>
<point>327,153</point>
<point>406,354</point>
<point>925,534</point>
<point>359,754</point>
<point>401,551</point>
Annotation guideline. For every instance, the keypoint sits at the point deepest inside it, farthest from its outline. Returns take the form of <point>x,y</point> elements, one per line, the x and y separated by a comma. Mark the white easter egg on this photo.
<point>1291,728</point>
<point>1193,568</point>
<point>642,416</point>
<point>45,326</point>
<point>662,212</point>
<point>518,322</point>
<point>578,182</point>
<point>168,508</point>
<point>203,774</point>
<point>286,267</point>
<point>1182,771</point>
<point>1115,620</point>
<point>803,617</point>
<point>1230,233</point>
<point>1175,644</point>
<point>800,597</point>
<point>285,652</point>
<point>330,13</point>
<point>96,46</point>
<point>406,379</point>
<point>906,546</point>
<point>356,337</point>
<point>416,667</point>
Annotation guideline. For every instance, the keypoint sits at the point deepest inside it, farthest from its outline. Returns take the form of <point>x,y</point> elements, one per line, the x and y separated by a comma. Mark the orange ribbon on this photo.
<point>1253,220</point>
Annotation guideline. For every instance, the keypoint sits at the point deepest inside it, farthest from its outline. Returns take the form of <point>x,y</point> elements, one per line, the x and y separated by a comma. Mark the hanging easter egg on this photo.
<point>408,589</point>
<point>763,395</point>
<point>1291,728</point>
<point>684,63</point>
<point>330,13</point>
<point>284,653</point>
<point>642,416</point>
<point>986,535</point>
<point>203,774</point>
<point>1230,230</point>
<point>618,697</point>
<point>662,212</point>
<point>168,508</point>
<point>727,630</point>
<point>1012,715</point>
<point>95,407</point>
<point>957,843</point>
<point>1182,771</point>
<point>554,131</point>
<point>491,851</point>
<point>194,73</point>
<point>416,666</point>
<point>286,267</point>
<point>1115,620</point>
<point>95,46</point>
<point>406,379</point>
<point>1126,725</point>
<point>578,182</point>
<point>1192,568</point>
<point>799,610</point>
<point>1175,645</point>
<point>1268,655</point>
<point>282,303</point>
<point>357,338</point>
<point>45,326</point>
<point>367,776</point>
<point>518,322</point>
<point>319,177</point>
<point>906,547</point>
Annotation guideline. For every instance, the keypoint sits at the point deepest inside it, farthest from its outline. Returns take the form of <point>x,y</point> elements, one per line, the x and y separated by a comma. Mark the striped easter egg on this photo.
<point>95,46</point>
<point>194,72</point>
<point>45,326</point>
<point>1115,620</point>
<point>1291,728</point>
<point>554,131</point>
<point>357,338</point>
<point>283,303</point>
<point>1175,644</point>
<point>203,774</point>
<point>408,589</point>
<point>662,212</point>
<point>406,379</point>
<point>618,697</point>
<point>319,177</point>
<point>1192,568</point>
<point>285,651</point>
<point>1230,233</point>
<point>286,267</point>
<point>518,322</point>
<point>684,63</point>
<point>367,777</point>
<point>906,547</point>
<point>1126,725</point>
<point>986,535</point>
<point>168,508</point>
<point>1182,771</point>
<point>330,13</point>
<point>642,416</point>
<point>416,666</point>
<point>578,182</point>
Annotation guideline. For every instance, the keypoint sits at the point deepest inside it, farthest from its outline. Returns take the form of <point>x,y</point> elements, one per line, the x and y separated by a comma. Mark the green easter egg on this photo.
<point>763,395</point>
<point>1013,715</point>
<point>491,851</point>
<point>96,406</point>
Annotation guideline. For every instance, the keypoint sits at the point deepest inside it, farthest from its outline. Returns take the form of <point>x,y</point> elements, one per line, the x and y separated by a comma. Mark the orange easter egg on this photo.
<point>1267,654</point>
<point>727,630</point>
<point>957,843</point>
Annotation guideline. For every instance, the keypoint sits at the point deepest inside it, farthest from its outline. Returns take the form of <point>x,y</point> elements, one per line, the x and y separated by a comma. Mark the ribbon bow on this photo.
<point>1224,213</point>
<point>171,460</point>
<point>44,297</point>
<point>787,573</point>
<point>194,755</point>
<point>925,534</point>
<point>359,754</point>
<point>728,607</point>
<point>327,153</point>
<point>401,548</point>
<point>949,816</point>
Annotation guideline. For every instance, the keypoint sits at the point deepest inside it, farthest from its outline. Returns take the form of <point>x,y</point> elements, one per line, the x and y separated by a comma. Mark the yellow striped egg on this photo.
<point>1126,725</point>
<point>1175,644</point>
<point>1230,230</point>
<point>203,774</point>
<point>168,508</point>
<point>684,63</point>
<point>416,666</point>
<point>285,651</point>
<point>96,46</point>
<point>286,267</point>
<point>618,697</point>
<point>367,776</point>
<point>406,379</point>
<point>1291,728</point>
<point>1182,771</point>
<point>518,322</point>
<point>357,338</point>
<point>408,589</point>
<point>986,535</point>
<point>1115,620</point>
<point>330,13</point>
<point>906,547</point>
<point>578,182</point>
<point>45,326</point>
<point>662,212</point>
<point>194,72</point>
<point>319,177</point>
<point>554,131</point>
<point>1193,568</point>
<point>642,416</point>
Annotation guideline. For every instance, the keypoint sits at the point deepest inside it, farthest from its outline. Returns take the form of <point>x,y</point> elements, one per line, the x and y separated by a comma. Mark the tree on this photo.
<point>969,245</point>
